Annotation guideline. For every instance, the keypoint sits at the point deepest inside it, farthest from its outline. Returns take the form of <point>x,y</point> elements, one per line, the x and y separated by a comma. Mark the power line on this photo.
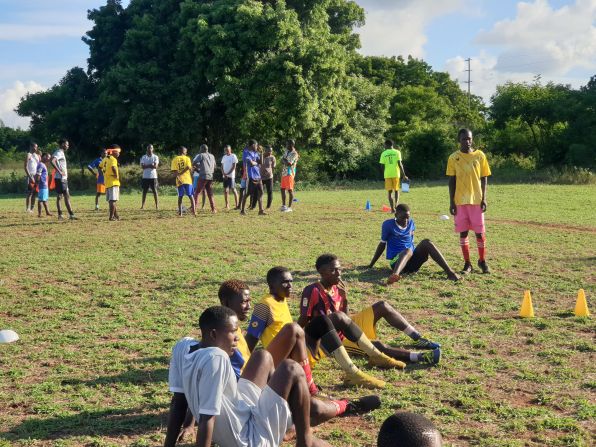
<point>469,81</point>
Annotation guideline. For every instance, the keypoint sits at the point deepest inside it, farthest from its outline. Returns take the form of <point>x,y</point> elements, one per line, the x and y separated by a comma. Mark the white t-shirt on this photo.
<point>179,350</point>
<point>211,388</point>
<point>146,160</point>
<point>227,162</point>
<point>61,162</point>
<point>32,162</point>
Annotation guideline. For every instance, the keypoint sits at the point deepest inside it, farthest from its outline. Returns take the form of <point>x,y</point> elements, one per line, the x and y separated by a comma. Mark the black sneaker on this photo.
<point>467,269</point>
<point>484,267</point>
<point>365,404</point>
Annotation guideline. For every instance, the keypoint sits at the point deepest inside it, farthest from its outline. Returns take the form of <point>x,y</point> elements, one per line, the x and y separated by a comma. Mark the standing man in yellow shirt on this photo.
<point>468,170</point>
<point>109,167</point>
<point>391,159</point>
<point>182,167</point>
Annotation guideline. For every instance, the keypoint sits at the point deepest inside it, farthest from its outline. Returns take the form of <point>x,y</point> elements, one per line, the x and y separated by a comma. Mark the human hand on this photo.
<point>187,433</point>
<point>483,205</point>
<point>452,209</point>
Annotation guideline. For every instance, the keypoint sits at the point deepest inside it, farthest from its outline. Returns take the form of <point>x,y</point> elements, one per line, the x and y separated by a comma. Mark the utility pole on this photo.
<point>469,81</point>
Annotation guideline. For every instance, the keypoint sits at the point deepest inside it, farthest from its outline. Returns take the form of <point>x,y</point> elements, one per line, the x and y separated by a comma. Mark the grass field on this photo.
<point>98,306</point>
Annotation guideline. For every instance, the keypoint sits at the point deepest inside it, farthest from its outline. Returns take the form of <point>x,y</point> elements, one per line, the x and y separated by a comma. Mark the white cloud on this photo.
<point>397,27</point>
<point>544,40</point>
<point>10,98</point>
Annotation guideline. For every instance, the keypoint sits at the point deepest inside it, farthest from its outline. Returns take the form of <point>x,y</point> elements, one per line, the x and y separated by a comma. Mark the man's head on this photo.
<point>402,214</point>
<point>182,150</point>
<point>464,137</point>
<point>114,150</point>
<point>203,149</point>
<point>280,282</point>
<point>268,150</point>
<point>63,143</point>
<point>290,144</point>
<point>388,144</point>
<point>45,157</point>
<point>405,429</point>
<point>33,148</point>
<point>149,150</point>
<point>228,149</point>
<point>235,295</point>
<point>219,326</point>
<point>329,268</point>
<point>253,145</point>
<point>103,153</point>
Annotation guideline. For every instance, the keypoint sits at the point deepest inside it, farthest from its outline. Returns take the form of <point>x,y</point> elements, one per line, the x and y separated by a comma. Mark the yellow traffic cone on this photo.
<point>527,310</point>
<point>581,305</point>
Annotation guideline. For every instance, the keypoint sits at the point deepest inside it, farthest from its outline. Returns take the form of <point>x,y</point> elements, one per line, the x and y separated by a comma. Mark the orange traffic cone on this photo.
<point>386,209</point>
<point>581,305</point>
<point>527,310</point>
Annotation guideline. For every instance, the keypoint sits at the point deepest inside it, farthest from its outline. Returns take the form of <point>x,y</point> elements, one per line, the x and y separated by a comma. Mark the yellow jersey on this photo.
<point>106,167</point>
<point>268,318</point>
<point>178,164</point>
<point>468,169</point>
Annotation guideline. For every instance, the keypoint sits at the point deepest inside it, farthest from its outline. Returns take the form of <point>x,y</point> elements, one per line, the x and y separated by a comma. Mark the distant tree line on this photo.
<point>186,72</point>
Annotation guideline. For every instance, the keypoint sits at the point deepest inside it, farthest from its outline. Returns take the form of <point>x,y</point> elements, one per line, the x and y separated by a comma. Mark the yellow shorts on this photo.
<point>314,358</point>
<point>392,184</point>
<point>365,320</point>
<point>100,188</point>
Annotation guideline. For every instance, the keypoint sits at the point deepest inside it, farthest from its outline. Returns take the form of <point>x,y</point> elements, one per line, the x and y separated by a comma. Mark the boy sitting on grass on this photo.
<point>328,297</point>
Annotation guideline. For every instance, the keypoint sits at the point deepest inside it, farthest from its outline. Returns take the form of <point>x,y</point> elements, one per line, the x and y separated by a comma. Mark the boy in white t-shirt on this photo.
<point>149,163</point>
<point>250,412</point>
<point>228,170</point>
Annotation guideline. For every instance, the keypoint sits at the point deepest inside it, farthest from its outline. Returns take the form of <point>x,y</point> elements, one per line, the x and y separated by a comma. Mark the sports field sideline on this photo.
<point>99,304</point>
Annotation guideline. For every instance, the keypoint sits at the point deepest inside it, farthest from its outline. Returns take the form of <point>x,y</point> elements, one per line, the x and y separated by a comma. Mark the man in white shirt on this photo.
<point>61,178</point>
<point>228,170</point>
<point>31,162</point>
<point>250,412</point>
<point>149,163</point>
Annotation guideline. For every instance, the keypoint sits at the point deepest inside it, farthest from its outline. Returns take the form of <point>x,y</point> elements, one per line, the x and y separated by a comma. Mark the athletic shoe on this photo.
<point>484,267</point>
<point>384,361</point>
<point>467,268</point>
<point>431,357</point>
<point>288,210</point>
<point>60,217</point>
<point>362,405</point>
<point>393,278</point>
<point>283,208</point>
<point>360,378</point>
<point>425,343</point>
<point>97,208</point>
<point>73,217</point>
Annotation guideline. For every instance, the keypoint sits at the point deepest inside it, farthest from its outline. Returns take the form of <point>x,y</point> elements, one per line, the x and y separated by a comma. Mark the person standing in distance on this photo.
<point>100,184</point>
<point>182,167</point>
<point>228,171</point>
<point>149,163</point>
<point>111,173</point>
<point>391,160</point>
<point>204,163</point>
<point>288,172</point>
<point>468,172</point>
<point>30,166</point>
<point>61,178</point>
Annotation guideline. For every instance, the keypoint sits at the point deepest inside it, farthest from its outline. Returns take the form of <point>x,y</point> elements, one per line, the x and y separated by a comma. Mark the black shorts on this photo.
<point>149,183</point>
<point>61,186</point>
<point>415,262</point>
<point>229,182</point>
<point>255,186</point>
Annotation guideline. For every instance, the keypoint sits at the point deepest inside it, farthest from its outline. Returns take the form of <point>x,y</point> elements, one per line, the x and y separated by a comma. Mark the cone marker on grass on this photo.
<point>368,206</point>
<point>581,305</point>
<point>527,309</point>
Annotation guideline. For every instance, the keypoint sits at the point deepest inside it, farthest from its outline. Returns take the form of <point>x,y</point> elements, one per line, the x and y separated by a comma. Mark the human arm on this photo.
<point>206,424</point>
<point>251,342</point>
<point>483,183</point>
<point>54,162</point>
<point>178,410</point>
<point>260,319</point>
<point>403,172</point>
<point>378,252</point>
<point>232,169</point>
<point>452,207</point>
<point>25,167</point>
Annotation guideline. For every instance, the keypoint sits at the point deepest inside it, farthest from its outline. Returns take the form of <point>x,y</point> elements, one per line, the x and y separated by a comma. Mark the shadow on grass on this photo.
<point>112,422</point>
<point>132,376</point>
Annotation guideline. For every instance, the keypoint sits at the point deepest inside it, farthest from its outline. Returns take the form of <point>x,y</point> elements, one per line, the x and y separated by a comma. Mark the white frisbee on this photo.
<point>443,217</point>
<point>8,336</point>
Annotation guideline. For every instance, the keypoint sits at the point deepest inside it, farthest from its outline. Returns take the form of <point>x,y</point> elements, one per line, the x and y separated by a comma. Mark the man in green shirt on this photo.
<point>391,159</point>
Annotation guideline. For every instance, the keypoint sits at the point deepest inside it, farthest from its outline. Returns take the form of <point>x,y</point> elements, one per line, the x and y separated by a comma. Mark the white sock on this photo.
<point>415,357</point>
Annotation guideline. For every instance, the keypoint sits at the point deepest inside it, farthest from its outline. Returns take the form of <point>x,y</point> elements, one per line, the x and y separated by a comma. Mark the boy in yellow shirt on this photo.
<point>468,171</point>
<point>391,160</point>
<point>109,167</point>
<point>182,167</point>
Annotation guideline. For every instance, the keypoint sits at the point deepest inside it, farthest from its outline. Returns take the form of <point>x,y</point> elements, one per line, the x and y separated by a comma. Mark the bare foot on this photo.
<point>392,279</point>
<point>453,276</point>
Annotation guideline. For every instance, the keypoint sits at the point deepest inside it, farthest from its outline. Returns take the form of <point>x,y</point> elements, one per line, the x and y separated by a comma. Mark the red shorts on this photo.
<point>287,182</point>
<point>469,217</point>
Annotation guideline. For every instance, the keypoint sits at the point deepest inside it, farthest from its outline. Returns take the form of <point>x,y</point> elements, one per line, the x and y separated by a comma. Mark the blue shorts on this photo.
<point>185,190</point>
<point>195,180</point>
<point>243,183</point>
<point>43,195</point>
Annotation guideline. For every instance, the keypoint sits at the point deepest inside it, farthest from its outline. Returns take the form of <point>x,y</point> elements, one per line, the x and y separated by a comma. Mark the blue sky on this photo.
<point>506,40</point>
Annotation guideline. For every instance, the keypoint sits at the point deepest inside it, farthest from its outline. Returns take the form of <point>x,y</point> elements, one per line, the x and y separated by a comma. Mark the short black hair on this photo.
<point>325,259</point>
<point>462,131</point>
<point>32,144</point>
<point>230,289</point>
<point>215,317</point>
<point>113,146</point>
<point>389,143</point>
<point>402,207</point>
<point>291,142</point>
<point>252,141</point>
<point>181,148</point>
<point>405,429</point>
<point>275,273</point>
<point>61,141</point>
